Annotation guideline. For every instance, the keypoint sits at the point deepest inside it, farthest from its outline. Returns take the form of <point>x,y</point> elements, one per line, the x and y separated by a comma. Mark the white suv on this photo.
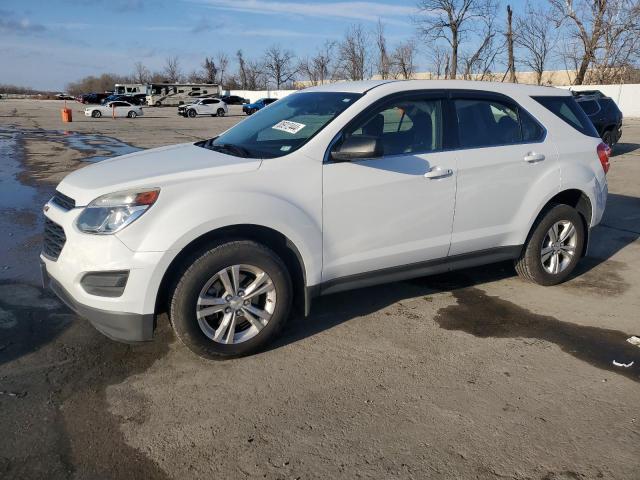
<point>332,188</point>
<point>204,106</point>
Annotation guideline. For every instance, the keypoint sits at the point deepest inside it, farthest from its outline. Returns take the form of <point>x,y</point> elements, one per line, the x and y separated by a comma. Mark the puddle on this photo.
<point>13,194</point>
<point>86,142</point>
<point>21,203</point>
<point>485,316</point>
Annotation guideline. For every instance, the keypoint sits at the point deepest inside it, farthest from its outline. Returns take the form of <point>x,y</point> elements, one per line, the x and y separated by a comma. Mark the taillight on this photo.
<point>603,154</point>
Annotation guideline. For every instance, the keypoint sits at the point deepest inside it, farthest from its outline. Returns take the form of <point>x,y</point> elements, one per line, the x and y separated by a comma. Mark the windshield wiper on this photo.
<point>236,150</point>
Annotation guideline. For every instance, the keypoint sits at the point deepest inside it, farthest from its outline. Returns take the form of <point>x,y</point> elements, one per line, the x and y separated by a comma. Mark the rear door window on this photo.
<point>489,123</point>
<point>568,110</point>
<point>486,123</point>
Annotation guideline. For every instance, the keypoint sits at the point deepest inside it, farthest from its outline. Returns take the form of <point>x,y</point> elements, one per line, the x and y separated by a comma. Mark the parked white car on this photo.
<point>336,187</point>
<point>204,106</point>
<point>115,108</point>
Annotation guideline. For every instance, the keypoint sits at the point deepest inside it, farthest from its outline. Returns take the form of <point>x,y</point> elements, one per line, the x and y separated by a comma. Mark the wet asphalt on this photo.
<point>473,374</point>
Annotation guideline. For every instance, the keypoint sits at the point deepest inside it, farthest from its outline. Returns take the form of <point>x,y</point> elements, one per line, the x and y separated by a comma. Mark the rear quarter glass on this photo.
<point>568,110</point>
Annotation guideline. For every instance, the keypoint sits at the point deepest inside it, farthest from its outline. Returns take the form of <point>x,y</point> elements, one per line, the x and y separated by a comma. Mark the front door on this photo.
<point>397,209</point>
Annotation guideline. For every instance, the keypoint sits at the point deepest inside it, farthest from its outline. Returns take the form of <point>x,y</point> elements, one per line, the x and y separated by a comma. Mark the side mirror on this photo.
<point>357,148</point>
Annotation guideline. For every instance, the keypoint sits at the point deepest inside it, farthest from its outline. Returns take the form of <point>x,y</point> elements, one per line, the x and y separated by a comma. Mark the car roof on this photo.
<point>391,86</point>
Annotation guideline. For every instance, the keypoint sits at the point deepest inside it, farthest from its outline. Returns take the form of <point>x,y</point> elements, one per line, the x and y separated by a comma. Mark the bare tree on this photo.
<point>403,60</point>
<point>353,53</point>
<point>318,69</point>
<point>588,23</point>
<point>511,63</point>
<point>619,51</point>
<point>196,77</point>
<point>223,63</point>
<point>242,70</point>
<point>478,63</point>
<point>255,75</point>
<point>209,70</point>
<point>440,60</point>
<point>537,38</point>
<point>383,63</point>
<point>141,73</point>
<point>279,65</point>
<point>172,69</point>
<point>452,21</point>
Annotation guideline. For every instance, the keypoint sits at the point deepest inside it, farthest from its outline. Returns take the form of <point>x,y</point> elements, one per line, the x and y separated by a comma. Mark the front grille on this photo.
<point>54,239</point>
<point>64,202</point>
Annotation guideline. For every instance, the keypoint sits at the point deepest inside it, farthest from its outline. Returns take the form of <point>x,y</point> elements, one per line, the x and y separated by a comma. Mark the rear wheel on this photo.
<point>96,114</point>
<point>221,112</point>
<point>192,114</point>
<point>158,103</point>
<point>231,299</point>
<point>554,247</point>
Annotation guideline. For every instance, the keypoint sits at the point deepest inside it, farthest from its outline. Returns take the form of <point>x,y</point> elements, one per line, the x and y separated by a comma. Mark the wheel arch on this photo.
<point>575,198</point>
<point>277,241</point>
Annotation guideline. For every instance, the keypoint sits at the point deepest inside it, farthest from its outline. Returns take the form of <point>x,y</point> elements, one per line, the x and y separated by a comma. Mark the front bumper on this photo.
<point>120,326</point>
<point>127,317</point>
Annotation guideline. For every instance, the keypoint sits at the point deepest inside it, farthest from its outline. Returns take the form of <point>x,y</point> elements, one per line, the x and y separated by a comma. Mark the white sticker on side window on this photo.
<point>288,126</point>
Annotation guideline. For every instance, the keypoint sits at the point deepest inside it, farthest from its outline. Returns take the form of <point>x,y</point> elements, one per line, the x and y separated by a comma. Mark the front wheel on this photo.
<point>192,114</point>
<point>132,114</point>
<point>221,112</point>
<point>96,114</point>
<point>231,300</point>
<point>554,246</point>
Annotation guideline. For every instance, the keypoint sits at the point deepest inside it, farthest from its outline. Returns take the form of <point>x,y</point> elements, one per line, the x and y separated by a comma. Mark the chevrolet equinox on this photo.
<point>335,187</point>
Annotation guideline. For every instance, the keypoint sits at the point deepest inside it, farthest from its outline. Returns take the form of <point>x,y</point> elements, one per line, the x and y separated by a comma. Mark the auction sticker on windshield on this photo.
<point>289,126</point>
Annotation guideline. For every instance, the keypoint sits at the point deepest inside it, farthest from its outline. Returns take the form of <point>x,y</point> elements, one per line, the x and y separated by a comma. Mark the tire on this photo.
<point>200,278</point>
<point>132,114</point>
<point>220,112</point>
<point>96,114</point>
<point>530,265</point>
<point>158,103</point>
<point>192,113</point>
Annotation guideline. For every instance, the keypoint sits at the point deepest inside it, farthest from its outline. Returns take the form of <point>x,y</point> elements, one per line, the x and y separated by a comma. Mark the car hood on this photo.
<point>151,168</point>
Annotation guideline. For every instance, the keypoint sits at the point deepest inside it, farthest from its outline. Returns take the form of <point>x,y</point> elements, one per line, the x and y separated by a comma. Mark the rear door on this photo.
<point>122,108</point>
<point>205,107</point>
<point>503,153</point>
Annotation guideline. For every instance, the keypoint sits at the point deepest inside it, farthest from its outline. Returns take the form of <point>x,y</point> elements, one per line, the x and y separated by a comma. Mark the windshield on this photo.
<point>284,126</point>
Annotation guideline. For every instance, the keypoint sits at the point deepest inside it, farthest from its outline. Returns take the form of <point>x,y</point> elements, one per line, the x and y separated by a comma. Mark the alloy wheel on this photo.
<point>559,247</point>
<point>235,304</point>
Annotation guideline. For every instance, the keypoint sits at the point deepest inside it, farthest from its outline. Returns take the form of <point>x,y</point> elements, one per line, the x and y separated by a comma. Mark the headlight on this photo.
<point>111,213</point>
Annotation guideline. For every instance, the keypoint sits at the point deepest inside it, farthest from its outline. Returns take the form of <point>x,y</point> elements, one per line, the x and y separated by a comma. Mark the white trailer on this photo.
<point>173,94</point>
<point>131,89</point>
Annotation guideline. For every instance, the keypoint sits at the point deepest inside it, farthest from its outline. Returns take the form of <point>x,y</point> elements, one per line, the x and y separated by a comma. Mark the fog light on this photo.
<point>105,284</point>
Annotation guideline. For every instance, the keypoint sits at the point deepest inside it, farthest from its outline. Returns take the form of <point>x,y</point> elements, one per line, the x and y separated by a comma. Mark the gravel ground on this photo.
<point>472,375</point>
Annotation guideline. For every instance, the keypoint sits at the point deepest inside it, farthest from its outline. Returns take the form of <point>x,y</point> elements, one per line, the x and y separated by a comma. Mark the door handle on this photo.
<point>437,172</point>
<point>533,157</point>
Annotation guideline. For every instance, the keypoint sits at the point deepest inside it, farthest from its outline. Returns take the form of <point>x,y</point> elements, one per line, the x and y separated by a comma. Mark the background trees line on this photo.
<point>599,40</point>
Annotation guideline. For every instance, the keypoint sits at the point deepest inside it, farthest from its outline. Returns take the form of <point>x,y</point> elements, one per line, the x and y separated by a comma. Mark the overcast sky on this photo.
<point>46,44</point>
